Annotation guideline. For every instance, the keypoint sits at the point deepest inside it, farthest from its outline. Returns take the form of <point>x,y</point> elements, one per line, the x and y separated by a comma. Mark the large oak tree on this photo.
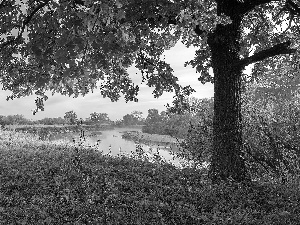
<point>71,46</point>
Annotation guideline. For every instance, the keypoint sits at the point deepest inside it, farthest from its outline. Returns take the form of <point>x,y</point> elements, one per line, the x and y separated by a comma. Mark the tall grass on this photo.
<point>57,183</point>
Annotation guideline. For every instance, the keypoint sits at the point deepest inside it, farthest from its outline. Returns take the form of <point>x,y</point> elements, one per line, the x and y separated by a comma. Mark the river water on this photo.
<point>111,142</point>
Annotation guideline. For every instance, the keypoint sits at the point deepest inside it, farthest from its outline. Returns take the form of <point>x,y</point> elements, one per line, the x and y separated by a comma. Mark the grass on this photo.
<point>55,183</point>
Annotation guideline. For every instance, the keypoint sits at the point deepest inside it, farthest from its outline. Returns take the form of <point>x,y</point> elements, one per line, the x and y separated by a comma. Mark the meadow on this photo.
<point>44,182</point>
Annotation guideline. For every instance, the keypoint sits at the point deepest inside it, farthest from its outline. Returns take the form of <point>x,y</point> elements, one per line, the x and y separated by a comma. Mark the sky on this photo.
<point>57,105</point>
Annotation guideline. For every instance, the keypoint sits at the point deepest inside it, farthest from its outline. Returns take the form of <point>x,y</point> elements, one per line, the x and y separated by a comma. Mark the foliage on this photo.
<point>128,120</point>
<point>13,120</point>
<point>71,117</point>
<point>197,145</point>
<point>271,135</point>
<point>3,121</point>
<point>166,123</point>
<point>99,117</point>
<point>69,46</point>
<point>118,123</point>
<point>43,182</point>
<point>134,118</point>
<point>153,122</point>
<point>52,121</point>
<point>177,125</point>
<point>138,115</point>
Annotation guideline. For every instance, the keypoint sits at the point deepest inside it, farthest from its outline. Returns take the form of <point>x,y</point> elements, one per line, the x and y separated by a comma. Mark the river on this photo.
<point>111,142</point>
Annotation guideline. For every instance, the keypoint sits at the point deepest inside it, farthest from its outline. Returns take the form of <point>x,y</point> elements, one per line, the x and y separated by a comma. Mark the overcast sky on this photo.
<point>57,105</point>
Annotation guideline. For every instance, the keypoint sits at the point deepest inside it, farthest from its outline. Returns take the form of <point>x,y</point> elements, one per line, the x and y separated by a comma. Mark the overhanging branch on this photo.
<point>255,3</point>
<point>171,19</point>
<point>238,7</point>
<point>279,49</point>
<point>2,4</point>
<point>26,21</point>
<point>79,2</point>
<point>249,5</point>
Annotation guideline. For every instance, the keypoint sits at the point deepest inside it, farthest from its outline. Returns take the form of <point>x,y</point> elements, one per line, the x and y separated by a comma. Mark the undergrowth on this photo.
<point>55,183</point>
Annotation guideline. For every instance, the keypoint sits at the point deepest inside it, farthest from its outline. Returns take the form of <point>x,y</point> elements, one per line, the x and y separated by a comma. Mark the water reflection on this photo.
<point>111,142</point>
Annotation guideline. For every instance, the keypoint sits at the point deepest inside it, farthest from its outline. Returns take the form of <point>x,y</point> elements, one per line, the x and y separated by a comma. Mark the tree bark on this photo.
<point>227,161</point>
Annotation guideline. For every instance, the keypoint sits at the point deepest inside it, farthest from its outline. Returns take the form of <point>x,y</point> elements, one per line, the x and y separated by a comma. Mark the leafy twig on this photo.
<point>24,24</point>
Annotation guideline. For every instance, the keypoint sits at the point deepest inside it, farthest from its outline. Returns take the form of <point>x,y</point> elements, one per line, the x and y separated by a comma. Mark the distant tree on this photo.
<point>16,119</point>
<point>3,121</point>
<point>88,121</point>
<point>59,120</point>
<point>52,121</point>
<point>99,117</point>
<point>71,117</point>
<point>129,119</point>
<point>119,123</point>
<point>46,121</point>
<point>138,117</point>
<point>176,125</point>
<point>134,118</point>
<point>79,121</point>
<point>153,122</point>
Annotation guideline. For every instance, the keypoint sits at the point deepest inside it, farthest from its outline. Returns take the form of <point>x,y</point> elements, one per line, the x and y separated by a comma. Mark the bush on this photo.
<point>271,138</point>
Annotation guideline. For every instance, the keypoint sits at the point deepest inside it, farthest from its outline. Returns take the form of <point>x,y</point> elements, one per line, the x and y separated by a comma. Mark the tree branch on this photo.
<point>249,5</point>
<point>2,4</point>
<point>79,2</point>
<point>281,48</point>
<point>171,19</point>
<point>198,31</point>
<point>26,21</point>
<point>238,7</point>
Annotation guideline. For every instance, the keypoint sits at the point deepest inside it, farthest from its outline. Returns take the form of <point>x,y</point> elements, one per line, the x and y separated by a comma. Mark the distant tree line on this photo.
<point>71,118</point>
<point>132,119</point>
<point>178,125</point>
<point>21,120</point>
<point>14,119</point>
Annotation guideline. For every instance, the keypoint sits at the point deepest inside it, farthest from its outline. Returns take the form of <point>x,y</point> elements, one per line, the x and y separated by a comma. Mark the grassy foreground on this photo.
<point>47,183</point>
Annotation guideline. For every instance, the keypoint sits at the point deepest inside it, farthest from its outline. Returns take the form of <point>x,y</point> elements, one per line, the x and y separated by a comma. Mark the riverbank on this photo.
<point>56,183</point>
<point>146,138</point>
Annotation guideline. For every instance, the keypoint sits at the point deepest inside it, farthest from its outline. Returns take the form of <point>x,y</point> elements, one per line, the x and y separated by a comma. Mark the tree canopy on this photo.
<point>69,46</point>
<point>70,117</point>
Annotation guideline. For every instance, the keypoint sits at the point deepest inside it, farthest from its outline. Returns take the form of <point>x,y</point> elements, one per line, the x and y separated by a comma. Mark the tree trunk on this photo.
<point>227,161</point>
